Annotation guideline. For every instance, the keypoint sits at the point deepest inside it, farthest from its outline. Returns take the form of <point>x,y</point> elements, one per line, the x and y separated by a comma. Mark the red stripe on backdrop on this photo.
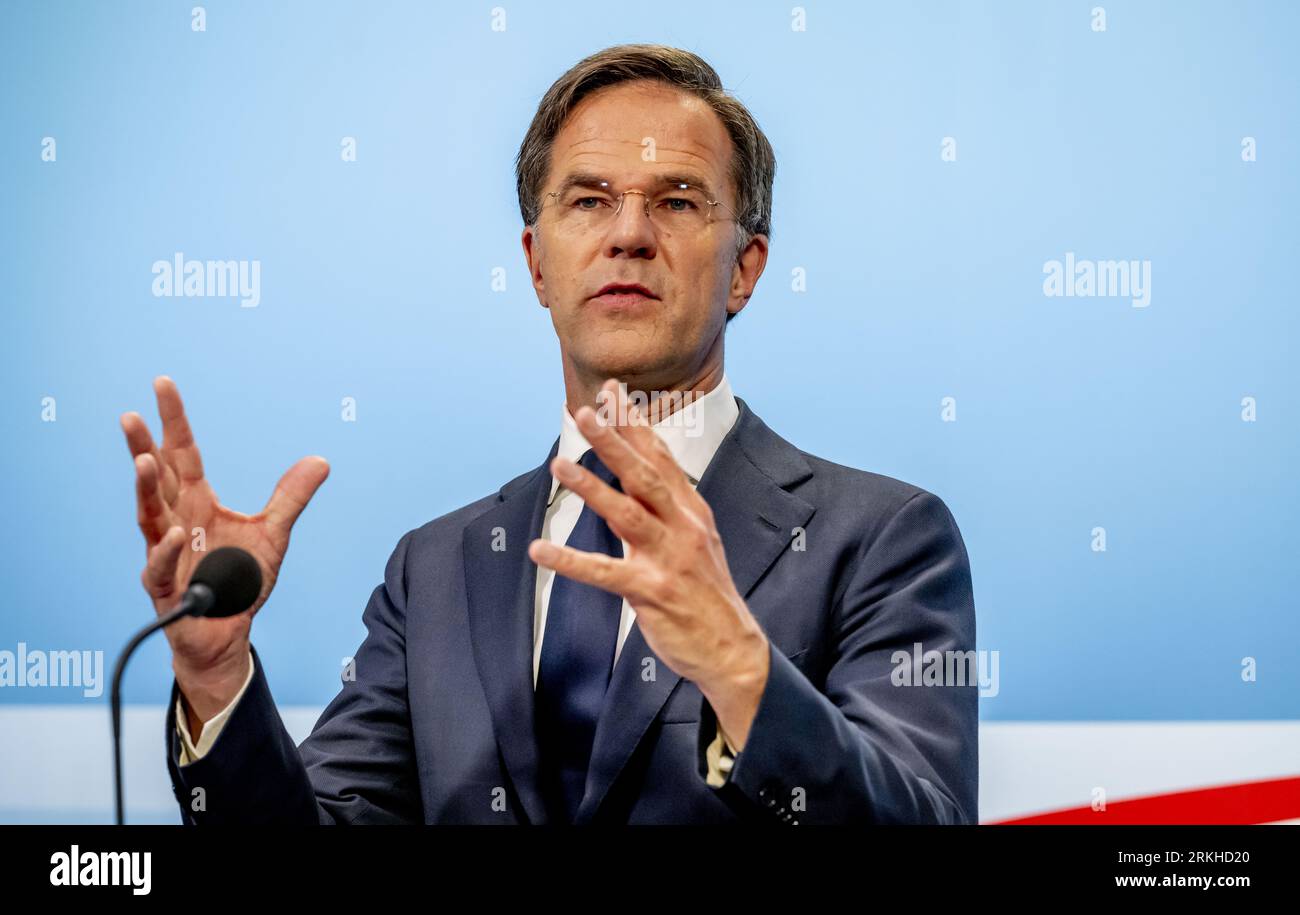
<point>1245,803</point>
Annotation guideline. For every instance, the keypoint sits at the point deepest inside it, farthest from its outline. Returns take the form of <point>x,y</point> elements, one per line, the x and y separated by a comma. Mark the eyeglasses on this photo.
<point>677,209</point>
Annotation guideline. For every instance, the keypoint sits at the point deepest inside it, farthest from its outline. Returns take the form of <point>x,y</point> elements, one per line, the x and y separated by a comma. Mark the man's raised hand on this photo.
<point>674,571</point>
<point>173,499</point>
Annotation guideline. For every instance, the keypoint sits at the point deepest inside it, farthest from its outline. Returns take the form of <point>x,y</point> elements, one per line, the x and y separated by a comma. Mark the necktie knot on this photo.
<point>592,462</point>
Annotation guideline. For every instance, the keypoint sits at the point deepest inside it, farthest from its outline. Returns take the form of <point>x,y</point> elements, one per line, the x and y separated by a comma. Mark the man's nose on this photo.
<point>632,231</point>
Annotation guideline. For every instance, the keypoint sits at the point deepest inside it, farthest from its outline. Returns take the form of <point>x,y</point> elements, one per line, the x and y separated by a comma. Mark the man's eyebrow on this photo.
<point>598,182</point>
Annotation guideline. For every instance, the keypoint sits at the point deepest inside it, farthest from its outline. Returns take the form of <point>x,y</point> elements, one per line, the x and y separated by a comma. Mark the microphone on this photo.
<point>226,583</point>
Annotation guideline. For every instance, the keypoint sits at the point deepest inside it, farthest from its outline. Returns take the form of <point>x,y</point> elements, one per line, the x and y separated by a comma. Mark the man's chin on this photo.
<point>626,363</point>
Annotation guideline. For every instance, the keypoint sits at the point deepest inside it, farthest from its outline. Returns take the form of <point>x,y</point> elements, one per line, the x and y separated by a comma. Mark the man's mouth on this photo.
<point>623,294</point>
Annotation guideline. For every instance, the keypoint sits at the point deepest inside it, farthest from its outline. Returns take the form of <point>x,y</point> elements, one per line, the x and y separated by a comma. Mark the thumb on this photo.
<point>294,491</point>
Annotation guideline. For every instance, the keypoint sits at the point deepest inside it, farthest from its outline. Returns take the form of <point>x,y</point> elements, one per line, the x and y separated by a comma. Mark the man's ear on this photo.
<point>533,255</point>
<point>744,275</point>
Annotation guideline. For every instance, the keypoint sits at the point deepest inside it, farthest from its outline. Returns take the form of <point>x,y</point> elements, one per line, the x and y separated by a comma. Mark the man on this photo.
<point>678,617</point>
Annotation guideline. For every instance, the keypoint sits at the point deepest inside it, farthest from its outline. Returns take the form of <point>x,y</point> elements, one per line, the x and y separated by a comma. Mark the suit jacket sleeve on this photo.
<point>190,751</point>
<point>861,748</point>
<point>357,766</point>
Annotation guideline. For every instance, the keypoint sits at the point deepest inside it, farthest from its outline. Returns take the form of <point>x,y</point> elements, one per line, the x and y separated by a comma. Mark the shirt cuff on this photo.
<point>190,752</point>
<point>720,756</point>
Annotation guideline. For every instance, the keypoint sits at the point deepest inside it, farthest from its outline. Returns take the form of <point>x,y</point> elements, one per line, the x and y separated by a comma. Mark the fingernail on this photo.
<point>566,470</point>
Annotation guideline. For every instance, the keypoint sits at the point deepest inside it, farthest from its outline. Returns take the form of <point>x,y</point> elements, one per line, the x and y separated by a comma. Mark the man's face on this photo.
<point>694,277</point>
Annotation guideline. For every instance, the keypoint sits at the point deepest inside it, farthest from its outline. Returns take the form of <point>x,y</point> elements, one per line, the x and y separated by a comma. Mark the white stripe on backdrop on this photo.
<point>57,765</point>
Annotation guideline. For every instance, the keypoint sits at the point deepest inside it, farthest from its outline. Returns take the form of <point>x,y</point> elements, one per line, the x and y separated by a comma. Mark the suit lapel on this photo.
<point>745,485</point>
<point>500,586</point>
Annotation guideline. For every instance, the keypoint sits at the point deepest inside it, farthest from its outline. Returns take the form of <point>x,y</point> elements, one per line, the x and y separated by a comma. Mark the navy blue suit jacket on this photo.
<point>437,726</point>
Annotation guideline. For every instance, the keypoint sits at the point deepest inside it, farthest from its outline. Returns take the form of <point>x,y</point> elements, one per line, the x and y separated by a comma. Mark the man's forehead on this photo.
<point>609,133</point>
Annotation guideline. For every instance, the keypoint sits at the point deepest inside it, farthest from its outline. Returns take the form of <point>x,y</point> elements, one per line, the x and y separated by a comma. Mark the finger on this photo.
<point>139,441</point>
<point>151,511</point>
<point>636,475</point>
<point>595,569</point>
<point>654,449</point>
<point>159,575</point>
<point>627,517</point>
<point>178,440</point>
<point>293,492</point>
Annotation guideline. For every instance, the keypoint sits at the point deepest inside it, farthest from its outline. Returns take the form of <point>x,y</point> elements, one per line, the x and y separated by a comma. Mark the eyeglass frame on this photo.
<point>714,204</point>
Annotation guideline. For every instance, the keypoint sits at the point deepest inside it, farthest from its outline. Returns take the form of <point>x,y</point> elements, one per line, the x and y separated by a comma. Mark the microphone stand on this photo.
<point>198,599</point>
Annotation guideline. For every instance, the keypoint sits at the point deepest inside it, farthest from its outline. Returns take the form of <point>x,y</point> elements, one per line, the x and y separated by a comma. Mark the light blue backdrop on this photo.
<point>924,281</point>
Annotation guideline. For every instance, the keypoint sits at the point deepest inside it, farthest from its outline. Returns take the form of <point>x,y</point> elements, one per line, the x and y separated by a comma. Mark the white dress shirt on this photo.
<point>692,434</point>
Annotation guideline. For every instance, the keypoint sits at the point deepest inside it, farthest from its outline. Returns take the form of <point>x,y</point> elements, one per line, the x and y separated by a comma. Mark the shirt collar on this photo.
<point>692,433</point>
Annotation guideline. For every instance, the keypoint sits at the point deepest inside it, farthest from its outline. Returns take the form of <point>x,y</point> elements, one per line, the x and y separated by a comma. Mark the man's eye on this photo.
<point>581,203</point>
<point>673,201</point>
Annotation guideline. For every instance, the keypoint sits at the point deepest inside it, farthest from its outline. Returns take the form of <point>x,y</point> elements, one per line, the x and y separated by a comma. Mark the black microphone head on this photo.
<point>234,577</point>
